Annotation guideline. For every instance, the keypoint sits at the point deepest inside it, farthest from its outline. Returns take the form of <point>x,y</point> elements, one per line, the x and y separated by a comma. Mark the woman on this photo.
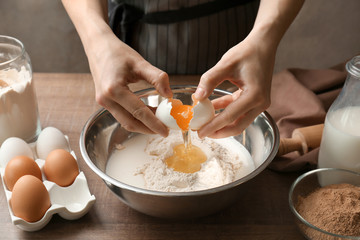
<point>248,64</point>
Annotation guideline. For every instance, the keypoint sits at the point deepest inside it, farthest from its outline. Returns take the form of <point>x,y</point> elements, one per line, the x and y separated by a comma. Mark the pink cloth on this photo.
<point>301,98</point>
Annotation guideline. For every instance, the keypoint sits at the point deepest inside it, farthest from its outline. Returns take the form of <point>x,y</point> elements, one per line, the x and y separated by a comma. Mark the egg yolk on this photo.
<point>183,115</point>
<point>186,159</point>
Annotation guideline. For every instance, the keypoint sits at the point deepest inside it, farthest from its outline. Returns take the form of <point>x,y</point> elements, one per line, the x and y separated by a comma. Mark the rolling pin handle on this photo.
<point>302,140</point>
<point>288,145</point>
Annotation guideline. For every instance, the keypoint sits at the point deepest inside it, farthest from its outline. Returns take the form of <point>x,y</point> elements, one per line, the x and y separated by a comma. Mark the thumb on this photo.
<point>208,82</point>
<point>158,78</point>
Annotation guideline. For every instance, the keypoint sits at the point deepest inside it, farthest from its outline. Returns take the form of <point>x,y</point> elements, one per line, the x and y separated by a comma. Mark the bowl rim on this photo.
<point>298,215</point>
<point>144,191</point>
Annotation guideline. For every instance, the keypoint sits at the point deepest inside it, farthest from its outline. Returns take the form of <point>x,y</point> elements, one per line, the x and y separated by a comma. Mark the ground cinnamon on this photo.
<point>334,208</point>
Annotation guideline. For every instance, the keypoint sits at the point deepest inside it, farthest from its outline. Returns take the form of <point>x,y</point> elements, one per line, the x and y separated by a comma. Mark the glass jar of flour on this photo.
<point>19,115</point>
<point>340,144</point>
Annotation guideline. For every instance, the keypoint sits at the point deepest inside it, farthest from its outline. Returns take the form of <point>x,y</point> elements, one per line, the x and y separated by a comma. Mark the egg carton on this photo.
<point>71,202</point>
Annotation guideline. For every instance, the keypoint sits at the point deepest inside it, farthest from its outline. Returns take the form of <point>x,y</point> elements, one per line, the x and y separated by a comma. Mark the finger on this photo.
<point>224,101</point>
<point>141,112</point>
<point>232,112</point>
<point>126,120</point>
<point>238,126</point>
<point>209,81</point>
<point>138,110</point>
<point>156,77</point>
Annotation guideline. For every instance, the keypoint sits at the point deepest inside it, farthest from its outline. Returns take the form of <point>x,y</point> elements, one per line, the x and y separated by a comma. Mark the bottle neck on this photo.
<point>353,67</point>
<point>349,95</point>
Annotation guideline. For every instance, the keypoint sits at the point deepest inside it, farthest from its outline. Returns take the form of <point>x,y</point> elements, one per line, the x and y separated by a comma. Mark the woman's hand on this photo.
<point>249,66</point>
<point>114,65</point>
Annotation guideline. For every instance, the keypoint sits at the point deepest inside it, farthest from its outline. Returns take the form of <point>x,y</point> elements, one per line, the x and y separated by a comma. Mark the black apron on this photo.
<point>182,38</point>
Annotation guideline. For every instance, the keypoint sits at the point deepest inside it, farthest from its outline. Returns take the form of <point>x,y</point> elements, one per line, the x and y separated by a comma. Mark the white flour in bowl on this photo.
<point>140,162</point>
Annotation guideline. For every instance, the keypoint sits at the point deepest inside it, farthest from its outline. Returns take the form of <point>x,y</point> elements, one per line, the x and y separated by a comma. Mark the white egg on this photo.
<point>50,139</point>
<point>13,147</point>
<point>203,112</point>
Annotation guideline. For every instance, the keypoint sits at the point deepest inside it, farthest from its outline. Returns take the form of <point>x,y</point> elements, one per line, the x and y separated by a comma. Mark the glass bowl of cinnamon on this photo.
<point>326,204</point>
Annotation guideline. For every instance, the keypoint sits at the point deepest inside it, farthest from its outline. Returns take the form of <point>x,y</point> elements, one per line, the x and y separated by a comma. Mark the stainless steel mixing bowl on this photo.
<point>102,133</point>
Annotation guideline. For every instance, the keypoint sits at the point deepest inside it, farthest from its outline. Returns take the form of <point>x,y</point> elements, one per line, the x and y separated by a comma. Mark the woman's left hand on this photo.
<point>249,66</point>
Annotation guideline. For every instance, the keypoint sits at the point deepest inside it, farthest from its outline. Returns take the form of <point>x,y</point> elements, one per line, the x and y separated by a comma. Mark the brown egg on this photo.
<point>30,199</point>
<point>18,167</point>
<point>61,167</point>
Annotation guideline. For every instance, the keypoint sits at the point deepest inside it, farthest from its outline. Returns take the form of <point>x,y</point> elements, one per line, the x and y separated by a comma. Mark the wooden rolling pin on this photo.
<point>302,140</point>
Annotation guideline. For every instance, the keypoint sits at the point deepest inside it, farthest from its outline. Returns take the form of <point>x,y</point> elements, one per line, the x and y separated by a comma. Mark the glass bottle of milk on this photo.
<point>340,144</point>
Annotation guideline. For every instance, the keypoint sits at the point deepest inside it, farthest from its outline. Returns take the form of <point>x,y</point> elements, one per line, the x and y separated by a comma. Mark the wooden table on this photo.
<point>66,101</point>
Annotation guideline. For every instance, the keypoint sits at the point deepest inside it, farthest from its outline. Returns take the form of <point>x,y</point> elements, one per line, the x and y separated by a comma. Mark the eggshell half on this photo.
<point>163,113</point>
<point>203,112</point>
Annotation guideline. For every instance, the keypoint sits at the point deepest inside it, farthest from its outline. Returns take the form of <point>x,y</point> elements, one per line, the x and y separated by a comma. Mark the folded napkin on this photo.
<point>301,98</point>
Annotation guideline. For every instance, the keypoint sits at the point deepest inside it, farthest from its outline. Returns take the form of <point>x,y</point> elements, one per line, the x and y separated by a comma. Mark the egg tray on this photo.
<point>70,202</point>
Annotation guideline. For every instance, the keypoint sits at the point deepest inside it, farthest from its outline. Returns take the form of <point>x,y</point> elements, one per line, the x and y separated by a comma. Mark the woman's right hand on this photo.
<point>114,65</point>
